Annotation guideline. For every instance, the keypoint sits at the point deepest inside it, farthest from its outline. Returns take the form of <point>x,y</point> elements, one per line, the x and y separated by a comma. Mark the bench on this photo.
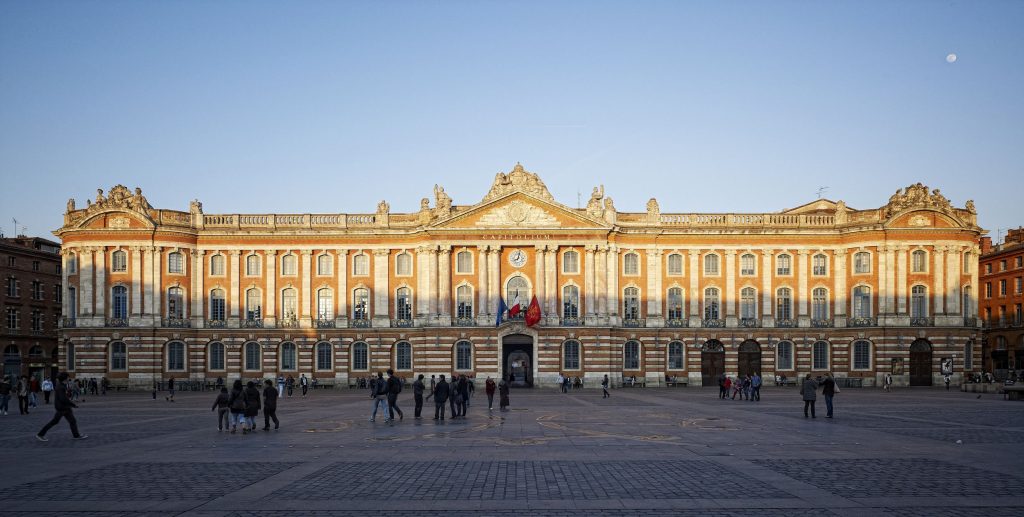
<point>785,381</point>
<point>638,384</point>
<point>1013,392</point>
<point>674,382</point>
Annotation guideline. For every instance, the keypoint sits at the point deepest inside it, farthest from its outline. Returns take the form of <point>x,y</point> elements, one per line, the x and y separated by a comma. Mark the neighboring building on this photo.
<point>31,271</point>
<point>1002,303</point>
<point>161,293</point>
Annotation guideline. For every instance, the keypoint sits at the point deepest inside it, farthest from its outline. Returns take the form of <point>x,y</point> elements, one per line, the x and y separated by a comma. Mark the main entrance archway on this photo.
<point>920,363</point>
<point>749,358</point>
<point>518,361</point>
<point>712,362</point>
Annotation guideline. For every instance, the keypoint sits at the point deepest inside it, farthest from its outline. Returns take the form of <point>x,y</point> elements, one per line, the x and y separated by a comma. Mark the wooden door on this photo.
<point>921,363</point>
<point>712,364</point>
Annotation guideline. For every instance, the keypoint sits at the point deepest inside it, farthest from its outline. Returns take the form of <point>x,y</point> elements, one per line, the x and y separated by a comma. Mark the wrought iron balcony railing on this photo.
<point>863,322</point>
<point>183,323</point>
<point>360,323</point>
<point>785,323</point>
<point>324,323</point>
<point>117,322</point>
<point>252,323</point>
<point>750,322</point>
<point>572,322</point>
<point>216,324</point>
<point>68,323</point>
<point>713,323</point>
<point>288,323</point>
<point>970,321</point>
<point>922,321</point>
<point>677,323</point>
<point>464,321</point>
<point>634,322</point>
<point>402,323</point>
<point>823,322</point>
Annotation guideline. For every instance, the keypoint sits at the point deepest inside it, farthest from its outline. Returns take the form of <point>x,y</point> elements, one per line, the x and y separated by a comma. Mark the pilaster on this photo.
<point>589,309</point>
<point>551,285</point>
<point>483,304</point>
<point>138,282</point>
<point>898,308</point>
<point>198,291</point>
<point>767,306</point>
<point>655,316</point>
<point>341,320</point>
<point>938,277</point>
<point>432,293</point>
<point>975,288</point>
<point>381,291</point>
<point>422,289</point>
<point>65,300</point>
<point>953,269</point>
<point>444,284</point>
<point>601,284</point>
<point>839,258</point>
<point>613,285</point>
<point>729,293</point>
<point>86,282</point>
<point>100,310</point>
<point>234,297</point>
<point>306,301</point>
<point>540,278</point>
<point>494,278</point>
<point>695,295</point>
<point>802,295</point>
<point>270,297</point>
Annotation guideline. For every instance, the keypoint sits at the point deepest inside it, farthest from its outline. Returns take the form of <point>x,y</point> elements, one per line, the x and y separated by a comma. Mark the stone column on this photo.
<point>306,301</point>
<point>729,293</point>
<point>494,289</point>
<point>938,276</point>
<point>381,291</point>
<point>342,297</point>
<point>444,284</point>
<point>802,294</point>
<point>766,289</point>
<point>100,309</point>
<point>613,285</point>
<point>539,278</point>
<point>551,285</point>
<point>432,293</point>
<point>953,269</point>
<point>654,289</point>
<point>198,290</point>
<point>589,301</point>
<point>86,283</point>
<point>270,297</point>
<point>601,284</point>
<point>64,285</point>
<point>896,284</point>
<point>695,294</point>
<point>422,291</point>
<point>234,304</point>
<point>484,308</point>
<point>138,282</point>
<point>839,296</point>
<point>156,287</point>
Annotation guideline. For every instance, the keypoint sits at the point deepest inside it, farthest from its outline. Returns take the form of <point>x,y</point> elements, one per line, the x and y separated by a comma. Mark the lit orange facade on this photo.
<point>161,293</point>
<point>1002,304</point>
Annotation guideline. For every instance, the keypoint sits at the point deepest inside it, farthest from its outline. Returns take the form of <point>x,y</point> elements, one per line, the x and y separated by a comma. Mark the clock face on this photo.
<point>517,258</point>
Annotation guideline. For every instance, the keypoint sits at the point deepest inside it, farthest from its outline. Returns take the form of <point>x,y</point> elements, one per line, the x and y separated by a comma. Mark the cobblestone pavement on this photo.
<point>679,452</point>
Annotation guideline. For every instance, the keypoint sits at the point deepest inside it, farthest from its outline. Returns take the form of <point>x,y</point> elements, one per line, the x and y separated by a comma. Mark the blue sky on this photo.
<point>330,106</point>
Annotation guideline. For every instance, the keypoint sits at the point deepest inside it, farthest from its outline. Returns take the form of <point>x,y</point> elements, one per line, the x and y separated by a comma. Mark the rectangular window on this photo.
<point>13,287</point>
<point>862,262</point>
<point>360,265</point>
<point>747,265</point>
<point>675,265</point>
<point>10,261</point>
<point>572,355</point>
<point>785,356</point>
<point>175,263</point>
<point>820,356</point>
<point>819,266</point>
<point>216,356</point>
<point>13,318</point>
<point>1002,288</point>
<point>118,356</point>
<point>35,265</point>
<point>217,265</point>
<point>571,263</point>
<point>37,321</point>
<point>217,309</point>
<point>464,263</point>
<point>1018,285</point>
<point>783,265</point>
<point>861,355</point>
<point>988,268</point>
<point>1002,265</point>
<point>37,290</point>
<point>1019,262</point>
<point>988,289</point>
<point>58,293</point>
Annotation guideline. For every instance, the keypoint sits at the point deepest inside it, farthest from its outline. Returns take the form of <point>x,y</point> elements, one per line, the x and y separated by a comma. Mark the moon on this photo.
<point>951,58</point>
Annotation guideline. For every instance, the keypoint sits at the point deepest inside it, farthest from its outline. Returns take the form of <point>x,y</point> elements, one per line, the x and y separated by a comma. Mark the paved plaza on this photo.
<point>642,452</point>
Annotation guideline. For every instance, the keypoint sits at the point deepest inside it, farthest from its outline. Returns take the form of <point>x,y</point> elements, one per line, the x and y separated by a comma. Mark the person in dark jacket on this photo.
<point>63,405</point>
<point>394,388</point>
<point>503,395</point>
<point>252,406</point>
<point>828,389</point>
<point>270,406</point>
<point>170,388</point>
<point>222,406</point>
<point>464,395</point>
<point>236,403</point>
<point>440,397</point>
<point>489,387</point>
<point>379,394</point>
<point>23,392</point>
<point>417,395</point>
<point>5,394</point>
<point>809,391</point>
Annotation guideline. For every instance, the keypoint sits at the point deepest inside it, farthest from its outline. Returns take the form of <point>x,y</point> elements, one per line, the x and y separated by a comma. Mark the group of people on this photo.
<point>288,384</point>
<point>566,383</point>
<point>242,405</point>
<point>27,390</point>
<point>809,392</point>
<point>746,387</point>
<point>453,395</point>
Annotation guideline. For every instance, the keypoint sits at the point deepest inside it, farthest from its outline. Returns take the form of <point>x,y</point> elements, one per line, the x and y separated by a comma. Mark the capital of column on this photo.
<point>654,253</point>
<point>803,253</point>
<point>381,252</point>
<point>481,248</point>
<point>730,253</point>
<point>768,252</point>
<point>444,251</point>
<point>305,253</point>
<point>198,253</point>
<point>540,248</point>
<point>839,253</point>
<point>693,253</point>
<point>234,253</point>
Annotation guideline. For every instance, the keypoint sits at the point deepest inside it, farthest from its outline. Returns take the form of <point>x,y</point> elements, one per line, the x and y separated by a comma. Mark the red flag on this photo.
<point>533,313</point>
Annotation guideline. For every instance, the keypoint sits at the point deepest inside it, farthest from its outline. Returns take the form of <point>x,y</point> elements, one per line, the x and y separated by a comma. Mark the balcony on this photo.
<point>750,322</point>
<point>68,323</point>
<point>12,331</point>
<point>117,322</point>
<point>216,324</point>
<point>785,323</point>
<point>823,323</point>
<point>922,322</point>
<point>712,323</point>
<point>36,332</point>
<point>970,321</point>
<point>464,321</point>
<point>252,323</point>
<point>359,323</point>
<point>677,323</point>
<point>571,322</point>
<point>863,322</point>
<point>179,323</point>
<point>288,323</point>
<point>634,322</point>
<point>403,323</point>
<point>324,323</point>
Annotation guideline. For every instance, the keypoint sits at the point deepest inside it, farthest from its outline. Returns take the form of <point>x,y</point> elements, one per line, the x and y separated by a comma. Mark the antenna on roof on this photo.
<point>15,226</point>
<point>821,190</point>
<point>578,194</point>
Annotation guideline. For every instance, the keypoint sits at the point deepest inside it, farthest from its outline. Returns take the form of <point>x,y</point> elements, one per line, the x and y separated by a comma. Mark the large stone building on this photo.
<point>1002,304</point>
<point>31,272</point>
<point>159,293</point>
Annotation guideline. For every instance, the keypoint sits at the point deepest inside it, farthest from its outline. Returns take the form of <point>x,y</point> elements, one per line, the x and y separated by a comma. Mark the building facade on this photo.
<point>157,293</point>
<point>1002,304</point>
<point>33,291</point>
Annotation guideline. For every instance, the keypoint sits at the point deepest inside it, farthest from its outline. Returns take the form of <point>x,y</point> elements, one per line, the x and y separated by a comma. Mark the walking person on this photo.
<point>304,383</point>
<point>440,395</point>
<point>270,404</point>
<point>252,406</point>
<point>236,404</point>
<point>829,390</point>
<point>290,385</point>
<point>454,396</point>
<point>604,387</point>
<point>280,386</point>
<point>33,388</point>
<point>5,394</point>
<point>755,387</point>
<point>223,407</point>
<point>723,388</point>
<point>64,406</point>
<point>394,388</point>
<point>464,393</point>
<point>417,396</point>
<point>489,387</point>
<point>47,390</point>
<point>561,383</point>
<point>23,395</point>
<point>809,391</point>
<point>887,383</point>
<point>946,379</point>
<point>503,394</point>
<point>379,393</point>
<point>170,388</point>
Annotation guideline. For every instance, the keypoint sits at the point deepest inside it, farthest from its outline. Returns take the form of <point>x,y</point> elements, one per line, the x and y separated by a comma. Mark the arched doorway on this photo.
<point>749,358</point>
<point>920,363</point>
<point>517,352</point>
<point>712,362</point>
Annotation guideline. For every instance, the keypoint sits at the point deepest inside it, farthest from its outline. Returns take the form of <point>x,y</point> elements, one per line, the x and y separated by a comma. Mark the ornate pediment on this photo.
<point>520,211</point>
<point>119,199</point>
<point>916,196</point>
<point>517,214</point>
<point>519,180</point>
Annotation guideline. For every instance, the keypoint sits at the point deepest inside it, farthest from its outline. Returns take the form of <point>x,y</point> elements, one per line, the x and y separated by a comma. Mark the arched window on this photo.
<point>675,303</point>
<point>217,305</point>
<point>747,265</point>
<point>215,355</point>
<point>119,261</point>
<point>36,352</point>
<point>570,263</point>
<point>289,361</point>
<point>403,264</point>
<point>631,355</point>
<point>675,265</point>
<point>252,265</point>
<point>253,304</point>
<point>464,263</point>
<point>748,303</point>
<point>784,304</point>
<point>463,355</point>
<point>360,356</point>
<point>783,265</point>
<point>819,357</point>
<point>176,303</point>
<point>217,265</point>
<point>252,356</point>
<point>119,302</point>
<point>289,304</point>
<point>570,301</point>
<point>862,262</point>
<point>631,264</point>
<point>517,292</point>
<point>118,356</point>
<point>918,261</point>
<point>403,303</point>
<point>711,264</point>
<point>289,265</point>
<point>360,265</point>
<point>403,356</point>
<point>464,301</point>
<point>784,355</point>
<point>324,304</point>
<point>175,263</point>
<point>918,301</point>
<point>324,265</point>
<point>360,303</point>
<point>861,355</point>
<point>175,356</point>
<point>819,303</point>
<point>631,303</point>
<point>675,355</point>
<point>324,355</point>
<point>571,355</point>
<point>819,265</point>
<point>862,301</point>
<point>711,307</point>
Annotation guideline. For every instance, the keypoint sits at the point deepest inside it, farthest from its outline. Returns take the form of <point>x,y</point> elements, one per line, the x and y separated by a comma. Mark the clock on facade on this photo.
<point>517,258</point>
